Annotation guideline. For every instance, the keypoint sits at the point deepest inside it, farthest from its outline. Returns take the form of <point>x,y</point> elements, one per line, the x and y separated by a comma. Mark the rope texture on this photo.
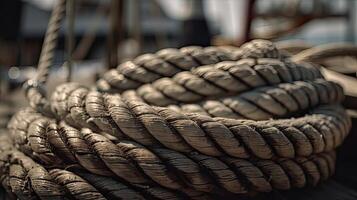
<point>60,145</point>
<point>35,92</point>
<point>148,68</point>
<point>316,54</point>
<point>256,123</point>
<point>164,63</point>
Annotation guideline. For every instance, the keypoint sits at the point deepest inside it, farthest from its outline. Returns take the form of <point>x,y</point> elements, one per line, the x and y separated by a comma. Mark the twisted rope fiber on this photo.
<point>24,178</point>
<point>134,119</point>
<point>267,102</point>
<point>34,87</point>
<point>184,132</point>
<point>92,165</point>
<point>223,79</point>
<point>230,142</point>
<point>316,54</point>
<point>77,105</point>
<point>28,180</point>
<point>100,156</point>
<point>167,62</point>
<point>78,151</point>
<point>164,63</point>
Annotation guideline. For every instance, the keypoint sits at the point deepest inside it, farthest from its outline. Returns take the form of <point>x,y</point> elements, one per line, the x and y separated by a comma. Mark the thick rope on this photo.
<point>260,49</point>
<point>255,123</point>
<point>140,165</point>
<point>280,101</point>
<point>223,79</point>
<point>29,180</point>
<point>76,105</point>
<point>303,136</point>
<point>167,62</point>
<point>164,63</point>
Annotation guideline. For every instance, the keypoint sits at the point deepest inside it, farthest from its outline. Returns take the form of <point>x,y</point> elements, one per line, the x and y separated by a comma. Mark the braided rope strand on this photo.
<point>222,79</point>
<point>164,158</point>
<point>165,63</point>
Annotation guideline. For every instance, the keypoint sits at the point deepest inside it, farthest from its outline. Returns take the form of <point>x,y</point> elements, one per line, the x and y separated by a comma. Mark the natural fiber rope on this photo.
<point>100,156</point>
<point>209,149</point>
<point>292,46</point>
<point>282,100</point>
<point>26,179</point>
<point>148,68</point>
<point>35,92</point>
<point>164,63</point>
<point>185,133</point>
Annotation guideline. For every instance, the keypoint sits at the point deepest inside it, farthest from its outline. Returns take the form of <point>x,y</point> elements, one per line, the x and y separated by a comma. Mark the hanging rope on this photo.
<point>34,88</point>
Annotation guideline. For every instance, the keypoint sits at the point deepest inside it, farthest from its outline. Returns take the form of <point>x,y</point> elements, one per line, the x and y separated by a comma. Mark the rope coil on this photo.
<point>189,123</point>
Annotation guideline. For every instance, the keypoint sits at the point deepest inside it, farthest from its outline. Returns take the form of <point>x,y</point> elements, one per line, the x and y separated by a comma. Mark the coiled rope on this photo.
<point>193,123</point>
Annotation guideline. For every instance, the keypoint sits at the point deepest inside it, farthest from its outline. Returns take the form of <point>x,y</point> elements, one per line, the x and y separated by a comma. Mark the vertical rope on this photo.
<point>50,42</point>
<point>35,92</point>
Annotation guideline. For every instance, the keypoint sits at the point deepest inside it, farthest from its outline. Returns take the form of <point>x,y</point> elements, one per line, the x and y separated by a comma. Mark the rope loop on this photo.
<point>189,123</point>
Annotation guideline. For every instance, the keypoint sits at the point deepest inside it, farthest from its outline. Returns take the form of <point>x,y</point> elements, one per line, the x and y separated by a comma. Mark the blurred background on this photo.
<point>107,32</point>
<point>148,25</point>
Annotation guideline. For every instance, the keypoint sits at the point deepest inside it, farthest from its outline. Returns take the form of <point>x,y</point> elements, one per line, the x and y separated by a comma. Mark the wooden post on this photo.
<point>249,20</point>
<point>115,32</point>
<point>70,37</point>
